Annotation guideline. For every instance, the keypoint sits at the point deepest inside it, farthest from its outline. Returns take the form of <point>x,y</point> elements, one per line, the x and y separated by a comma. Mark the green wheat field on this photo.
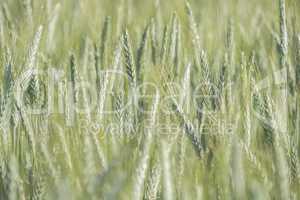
<point>149,99</point>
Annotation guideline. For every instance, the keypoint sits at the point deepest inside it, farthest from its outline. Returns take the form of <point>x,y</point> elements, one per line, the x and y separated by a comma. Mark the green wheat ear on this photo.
<point>129,61</point>
<point>173,46</point>
<point>298,64</point>
<point>100,55</point>
<point>283,50</point>
<point>154,42</point>
<point>28,10</point>
<point>104,41</point>
<point>33,50</point>
<point>32,85</point>
<point>141,52</point>
<point>153,185</point>
<point>8,75</point>
<point>1,102</point>
<point>73,77</point>
<point>97,69</point>
<point>194,31</point>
